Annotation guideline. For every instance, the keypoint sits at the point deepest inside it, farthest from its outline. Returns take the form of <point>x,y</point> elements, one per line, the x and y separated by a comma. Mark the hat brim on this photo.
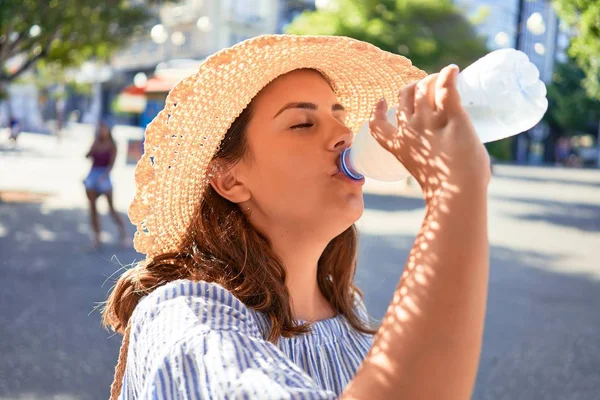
<point>182,140</point>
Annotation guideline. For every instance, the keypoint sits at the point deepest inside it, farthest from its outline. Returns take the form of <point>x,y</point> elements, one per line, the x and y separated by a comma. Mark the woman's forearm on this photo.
<point>429,342</point>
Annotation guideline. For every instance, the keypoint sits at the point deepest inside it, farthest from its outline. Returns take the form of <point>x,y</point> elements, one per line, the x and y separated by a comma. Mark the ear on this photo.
<point>226,182</point>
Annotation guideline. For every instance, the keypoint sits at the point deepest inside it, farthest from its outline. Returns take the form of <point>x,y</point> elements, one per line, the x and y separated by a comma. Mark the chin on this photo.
<point>349,215</point>
<point>355,207</point>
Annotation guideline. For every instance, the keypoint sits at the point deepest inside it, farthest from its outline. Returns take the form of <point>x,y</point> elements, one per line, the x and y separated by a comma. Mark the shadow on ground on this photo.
<point>52,343</point>
<point>392,202</point>
<point>582,216</point>
<point>538,179</point>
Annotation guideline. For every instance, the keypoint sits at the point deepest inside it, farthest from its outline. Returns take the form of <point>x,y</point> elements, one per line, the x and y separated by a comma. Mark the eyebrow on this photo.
<point>308,106</point>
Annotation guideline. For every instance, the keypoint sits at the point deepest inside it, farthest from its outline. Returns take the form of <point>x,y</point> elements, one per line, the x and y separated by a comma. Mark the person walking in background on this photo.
<point>562,151</point>
<point>15,130</point>
<point>103,152</point>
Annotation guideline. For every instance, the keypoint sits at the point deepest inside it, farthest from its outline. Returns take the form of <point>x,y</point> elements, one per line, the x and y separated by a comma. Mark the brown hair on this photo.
<point>223,247</point>
<point>110,136</point>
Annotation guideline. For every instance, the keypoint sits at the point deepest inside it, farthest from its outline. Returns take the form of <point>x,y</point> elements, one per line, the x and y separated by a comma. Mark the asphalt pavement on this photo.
<point>542,337</point>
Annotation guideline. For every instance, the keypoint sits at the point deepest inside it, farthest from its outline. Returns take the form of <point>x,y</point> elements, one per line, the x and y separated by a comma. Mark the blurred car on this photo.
<point>588,156</point>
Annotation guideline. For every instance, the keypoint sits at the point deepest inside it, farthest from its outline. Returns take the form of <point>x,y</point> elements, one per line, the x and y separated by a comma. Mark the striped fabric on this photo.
<point>195,340</point>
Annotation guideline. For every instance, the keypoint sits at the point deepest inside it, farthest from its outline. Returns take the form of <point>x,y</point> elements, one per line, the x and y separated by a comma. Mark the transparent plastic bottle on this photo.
<point>502,93</point>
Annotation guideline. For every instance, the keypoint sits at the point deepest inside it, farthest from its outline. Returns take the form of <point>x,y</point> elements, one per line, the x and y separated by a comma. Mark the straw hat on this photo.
<point>183,138</point>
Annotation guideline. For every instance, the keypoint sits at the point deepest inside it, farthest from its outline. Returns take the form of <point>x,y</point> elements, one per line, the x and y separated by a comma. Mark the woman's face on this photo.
<point>295,138</point>
<point>103,132</point>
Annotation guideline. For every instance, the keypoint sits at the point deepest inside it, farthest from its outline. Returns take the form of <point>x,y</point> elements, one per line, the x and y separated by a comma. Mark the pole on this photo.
<point>598,146</point>
<point>517,141</point>
<point>519,23</point>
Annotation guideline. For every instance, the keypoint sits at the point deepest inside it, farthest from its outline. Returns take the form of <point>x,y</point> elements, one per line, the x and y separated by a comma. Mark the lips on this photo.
<point>336,170</point>
<point>347,179</point>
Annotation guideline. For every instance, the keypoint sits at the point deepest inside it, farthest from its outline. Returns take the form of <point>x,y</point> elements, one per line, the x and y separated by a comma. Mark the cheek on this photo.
<point>286,180</point>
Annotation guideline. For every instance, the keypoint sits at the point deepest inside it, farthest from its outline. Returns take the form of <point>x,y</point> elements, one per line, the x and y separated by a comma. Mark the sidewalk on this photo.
<point>41,164</point>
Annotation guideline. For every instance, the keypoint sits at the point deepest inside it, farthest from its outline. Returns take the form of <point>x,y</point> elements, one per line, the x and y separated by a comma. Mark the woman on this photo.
<point>248,228</point>
<point>103,154</point>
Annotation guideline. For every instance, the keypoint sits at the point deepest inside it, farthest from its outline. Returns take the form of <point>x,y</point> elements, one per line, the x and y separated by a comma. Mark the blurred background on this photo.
<point>67,65</point>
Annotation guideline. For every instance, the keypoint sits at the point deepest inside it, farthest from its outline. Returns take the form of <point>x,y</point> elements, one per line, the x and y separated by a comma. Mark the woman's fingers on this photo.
<point>379,125</point>
<point>425,94</point>
<point>381,128</point>
<point>447,98</point>
<point>379,111</point>
<point>406,102</point>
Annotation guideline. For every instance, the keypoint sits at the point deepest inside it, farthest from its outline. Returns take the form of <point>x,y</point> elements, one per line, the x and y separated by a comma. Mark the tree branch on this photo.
<point>15,43</point>
<point>43,40</point>
<point>6,45</point>
<point>26,65</point>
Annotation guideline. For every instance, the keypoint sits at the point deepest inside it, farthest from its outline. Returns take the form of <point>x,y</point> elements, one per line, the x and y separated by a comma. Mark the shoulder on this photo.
<point>197,340</point>
<point>203,305</point>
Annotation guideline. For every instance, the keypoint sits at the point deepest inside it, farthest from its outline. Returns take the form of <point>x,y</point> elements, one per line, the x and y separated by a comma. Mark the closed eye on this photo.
<point>302,126</point>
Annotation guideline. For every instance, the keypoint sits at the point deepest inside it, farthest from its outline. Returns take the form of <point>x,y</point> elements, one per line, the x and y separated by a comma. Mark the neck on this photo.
<point>300,256</point>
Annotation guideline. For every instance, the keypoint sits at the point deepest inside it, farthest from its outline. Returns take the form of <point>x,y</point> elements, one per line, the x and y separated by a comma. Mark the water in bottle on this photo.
<point>502,93</point>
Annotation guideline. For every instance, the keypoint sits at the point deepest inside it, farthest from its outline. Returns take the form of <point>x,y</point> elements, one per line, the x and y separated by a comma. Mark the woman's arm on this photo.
<point>91,151</point>
<point>429,343</point>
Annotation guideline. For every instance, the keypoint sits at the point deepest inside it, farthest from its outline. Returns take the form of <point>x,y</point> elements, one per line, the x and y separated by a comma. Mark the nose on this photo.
<point>341,138</point>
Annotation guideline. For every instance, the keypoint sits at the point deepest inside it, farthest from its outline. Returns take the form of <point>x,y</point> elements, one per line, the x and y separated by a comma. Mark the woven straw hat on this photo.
<point>183,138</point>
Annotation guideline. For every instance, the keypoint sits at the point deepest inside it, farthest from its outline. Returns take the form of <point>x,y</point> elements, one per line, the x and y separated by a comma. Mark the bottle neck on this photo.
<point>346,166</point>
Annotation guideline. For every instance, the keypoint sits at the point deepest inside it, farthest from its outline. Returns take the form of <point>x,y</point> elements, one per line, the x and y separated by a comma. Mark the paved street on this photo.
<point>542,338</point>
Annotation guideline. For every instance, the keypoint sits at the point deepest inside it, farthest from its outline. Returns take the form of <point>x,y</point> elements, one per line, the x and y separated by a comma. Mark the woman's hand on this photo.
<point>435,139</point>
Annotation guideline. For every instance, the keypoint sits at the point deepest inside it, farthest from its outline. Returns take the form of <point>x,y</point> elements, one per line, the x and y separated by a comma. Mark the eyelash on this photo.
<point>302,126</point>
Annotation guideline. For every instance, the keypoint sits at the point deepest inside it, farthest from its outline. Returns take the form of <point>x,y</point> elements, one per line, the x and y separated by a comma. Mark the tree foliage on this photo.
<point>64,32</point>
<point>570,110</point>
<point>584,16</point>
<point>432,33</point>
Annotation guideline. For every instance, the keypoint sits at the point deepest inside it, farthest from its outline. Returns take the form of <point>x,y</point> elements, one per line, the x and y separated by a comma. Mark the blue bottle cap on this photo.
<point>345,167</point>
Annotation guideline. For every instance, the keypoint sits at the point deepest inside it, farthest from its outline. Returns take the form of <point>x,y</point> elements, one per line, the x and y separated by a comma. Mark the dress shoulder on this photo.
<point>196,340</point>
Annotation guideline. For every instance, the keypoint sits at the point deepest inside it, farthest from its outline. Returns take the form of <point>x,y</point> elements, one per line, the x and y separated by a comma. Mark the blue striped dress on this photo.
<point>195,340</point>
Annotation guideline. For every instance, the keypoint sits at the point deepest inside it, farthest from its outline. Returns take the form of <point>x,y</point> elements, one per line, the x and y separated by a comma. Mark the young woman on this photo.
<point>248,226</point>
<point>103,154</point>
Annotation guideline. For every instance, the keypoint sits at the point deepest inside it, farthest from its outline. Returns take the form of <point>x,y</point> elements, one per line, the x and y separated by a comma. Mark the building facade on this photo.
<point>533,27</point>
<point>192,30</point>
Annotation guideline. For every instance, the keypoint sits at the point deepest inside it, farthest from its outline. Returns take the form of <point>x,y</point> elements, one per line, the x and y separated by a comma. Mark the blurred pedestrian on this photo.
<point>247,223</point>
<point>103,153</point>
<point>14,131</point>
<point>562,150</point>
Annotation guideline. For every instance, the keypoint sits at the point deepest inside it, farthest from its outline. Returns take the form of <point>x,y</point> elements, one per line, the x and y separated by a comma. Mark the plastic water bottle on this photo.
<point>502,93</point>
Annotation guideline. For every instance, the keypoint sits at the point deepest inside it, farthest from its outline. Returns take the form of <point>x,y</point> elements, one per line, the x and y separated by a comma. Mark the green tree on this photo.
<point>432,33</point>
<point>570,108</point>
<point>584,16</point>
<point>63,32</point>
